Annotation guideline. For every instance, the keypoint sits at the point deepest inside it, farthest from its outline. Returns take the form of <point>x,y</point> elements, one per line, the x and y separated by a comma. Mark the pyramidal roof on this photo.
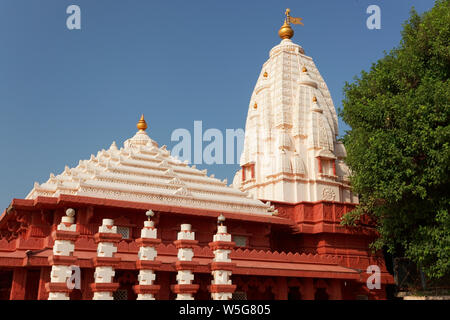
<point>140,171</point>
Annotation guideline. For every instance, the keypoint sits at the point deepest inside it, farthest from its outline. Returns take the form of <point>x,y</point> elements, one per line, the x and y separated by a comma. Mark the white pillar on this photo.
<point>146,260</point>
<point>185,243</point>
<point>106,238</point>
<point>62,258</point>
<point>221,287</point>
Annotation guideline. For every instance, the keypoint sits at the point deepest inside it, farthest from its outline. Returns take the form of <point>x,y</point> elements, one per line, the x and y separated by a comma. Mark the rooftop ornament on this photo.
<point>221,219</point>
<point>149,214</point>
<point>286,32</point>
<point>142,125</point>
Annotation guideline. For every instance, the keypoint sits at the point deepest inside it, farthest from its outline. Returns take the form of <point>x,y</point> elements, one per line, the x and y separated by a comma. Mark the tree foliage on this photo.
<point>398,145</point>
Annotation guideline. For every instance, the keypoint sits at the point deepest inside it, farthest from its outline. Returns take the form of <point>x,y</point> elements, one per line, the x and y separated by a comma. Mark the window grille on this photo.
<point>239,295</point>
<point>124,231</point>
<point>120,294</point>
<point>241,241</point>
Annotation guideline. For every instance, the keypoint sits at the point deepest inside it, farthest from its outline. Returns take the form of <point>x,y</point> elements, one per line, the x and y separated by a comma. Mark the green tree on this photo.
<point>398,145</point>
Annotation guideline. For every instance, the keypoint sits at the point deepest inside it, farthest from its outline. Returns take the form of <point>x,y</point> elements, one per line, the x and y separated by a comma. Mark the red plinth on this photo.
<point>106,262</point>
<point>145,242</point>
<point>185,244</point>
<point>227,288</point>
<point>185,288</point>
<point>104,287</point>
<point>146,289</point>
<point>147,264</point>
<point>57,287</point>
<point>62,260</point>
<point>107,237</point>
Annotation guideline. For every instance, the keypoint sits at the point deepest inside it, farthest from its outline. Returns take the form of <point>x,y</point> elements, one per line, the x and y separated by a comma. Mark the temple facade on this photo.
<point>134,222</point>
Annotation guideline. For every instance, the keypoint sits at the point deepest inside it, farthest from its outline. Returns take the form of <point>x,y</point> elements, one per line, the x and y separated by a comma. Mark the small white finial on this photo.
<point>149,214</point>
<point>70,212</point>
<point>221,219</point>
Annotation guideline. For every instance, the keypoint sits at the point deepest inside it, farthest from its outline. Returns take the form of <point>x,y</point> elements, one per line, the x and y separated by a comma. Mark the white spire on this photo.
<point>290,152</point>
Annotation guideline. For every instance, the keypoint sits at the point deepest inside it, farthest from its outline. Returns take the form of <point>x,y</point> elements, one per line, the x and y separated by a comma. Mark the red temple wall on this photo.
<point>313,228</point>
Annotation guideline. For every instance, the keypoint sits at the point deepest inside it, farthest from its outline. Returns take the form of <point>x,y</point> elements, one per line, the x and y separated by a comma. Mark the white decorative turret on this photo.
<point>104,263</point>
<point>62,258</point>
<point>221,287</point>
<point>185,243</point>
<point>290,152</point>
<point>146,260</point>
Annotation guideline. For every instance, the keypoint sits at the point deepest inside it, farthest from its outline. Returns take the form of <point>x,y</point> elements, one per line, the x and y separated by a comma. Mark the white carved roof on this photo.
<point>143,172</point>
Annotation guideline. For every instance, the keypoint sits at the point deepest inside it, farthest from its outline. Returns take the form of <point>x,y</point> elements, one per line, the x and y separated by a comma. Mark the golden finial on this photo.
<point>255,106</point>
<point>286,32</point>
<point>314,99</point>
<point>142,125</point>
<point>304,69</point>
<point>265,74</point>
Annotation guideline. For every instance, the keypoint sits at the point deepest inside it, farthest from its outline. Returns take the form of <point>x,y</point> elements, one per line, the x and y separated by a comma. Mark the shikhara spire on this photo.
<point>290,151</point>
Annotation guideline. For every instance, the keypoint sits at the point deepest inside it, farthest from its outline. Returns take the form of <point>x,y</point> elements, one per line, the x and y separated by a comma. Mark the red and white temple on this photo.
<point>141,224</point>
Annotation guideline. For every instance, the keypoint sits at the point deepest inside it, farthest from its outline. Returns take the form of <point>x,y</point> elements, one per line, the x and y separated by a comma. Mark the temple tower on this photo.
<point>290,152</point>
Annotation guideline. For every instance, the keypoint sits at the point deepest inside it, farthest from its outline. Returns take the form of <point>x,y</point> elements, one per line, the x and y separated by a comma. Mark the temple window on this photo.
<point>326,168</point>
<point>239,295</point>
<point>121,294</point>
<point>241,241</point>
<point>124,231</point>
<point>248,172</point>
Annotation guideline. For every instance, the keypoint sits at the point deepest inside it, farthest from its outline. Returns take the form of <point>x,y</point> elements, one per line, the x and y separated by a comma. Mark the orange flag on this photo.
<point>296,20</point>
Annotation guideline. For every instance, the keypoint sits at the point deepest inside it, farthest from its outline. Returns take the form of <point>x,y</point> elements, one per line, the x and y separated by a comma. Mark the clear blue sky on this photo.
<point>66,94</point>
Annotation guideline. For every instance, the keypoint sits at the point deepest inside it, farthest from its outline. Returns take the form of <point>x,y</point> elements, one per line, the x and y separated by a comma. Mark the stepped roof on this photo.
<point>141,171</point>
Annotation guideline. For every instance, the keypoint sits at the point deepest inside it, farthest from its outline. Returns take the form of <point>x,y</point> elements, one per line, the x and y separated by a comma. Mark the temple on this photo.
<point>137,223</point>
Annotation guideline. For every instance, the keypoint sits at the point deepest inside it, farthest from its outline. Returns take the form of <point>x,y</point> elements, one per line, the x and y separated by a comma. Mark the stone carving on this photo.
<point>328,194</point>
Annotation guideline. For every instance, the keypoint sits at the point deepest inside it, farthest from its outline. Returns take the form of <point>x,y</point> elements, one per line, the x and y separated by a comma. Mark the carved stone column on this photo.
<point>185,244</point>
<point>105,262</point>
<point>221,287</point>
<point>146,260</point>
<point>62,258</point>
